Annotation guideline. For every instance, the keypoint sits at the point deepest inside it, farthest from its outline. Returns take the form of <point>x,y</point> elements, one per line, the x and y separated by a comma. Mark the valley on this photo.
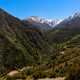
<point>37,50</point>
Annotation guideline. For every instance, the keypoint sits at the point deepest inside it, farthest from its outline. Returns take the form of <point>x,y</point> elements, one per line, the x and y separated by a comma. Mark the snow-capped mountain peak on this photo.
<point>77,14</point>
<point>50,22</point>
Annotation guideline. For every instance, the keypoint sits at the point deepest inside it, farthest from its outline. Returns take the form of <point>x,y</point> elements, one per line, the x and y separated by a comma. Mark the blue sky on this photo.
<point>53,9</point>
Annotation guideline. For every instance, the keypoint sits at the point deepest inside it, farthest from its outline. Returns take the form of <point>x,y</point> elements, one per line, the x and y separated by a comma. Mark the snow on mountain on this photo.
<point>75,15</point>
<point>50,22</point>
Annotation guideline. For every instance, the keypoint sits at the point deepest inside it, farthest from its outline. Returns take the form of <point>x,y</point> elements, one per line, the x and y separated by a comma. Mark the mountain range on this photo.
<point>50,22</point>
<point>50,47</point>
<point>42,23</point>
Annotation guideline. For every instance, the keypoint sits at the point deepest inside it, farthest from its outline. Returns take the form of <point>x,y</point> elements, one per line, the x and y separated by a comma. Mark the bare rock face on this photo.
<point>15,74</point>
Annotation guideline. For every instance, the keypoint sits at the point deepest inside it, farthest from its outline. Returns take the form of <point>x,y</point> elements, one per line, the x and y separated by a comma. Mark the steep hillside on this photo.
<point>20,44</point>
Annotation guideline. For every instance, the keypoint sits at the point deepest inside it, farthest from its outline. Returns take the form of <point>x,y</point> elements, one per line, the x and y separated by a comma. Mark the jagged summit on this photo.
<point>50,22</point>
<point>74,17</point>
<point>77,14</point>
<point>34,18</point>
